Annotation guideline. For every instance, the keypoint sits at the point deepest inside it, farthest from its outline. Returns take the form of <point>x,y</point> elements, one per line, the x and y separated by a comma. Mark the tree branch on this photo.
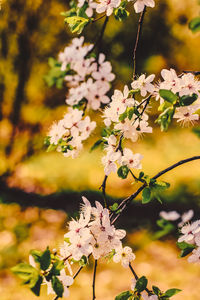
<point>98,41</point>
<point>94,278</point>
<point>136,277</point>
<point>139,31</point>
<point>103,187</point>
<point>123,205</point>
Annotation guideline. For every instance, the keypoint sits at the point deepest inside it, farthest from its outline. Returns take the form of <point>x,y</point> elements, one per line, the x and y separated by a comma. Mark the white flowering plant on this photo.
<point>88,77</point>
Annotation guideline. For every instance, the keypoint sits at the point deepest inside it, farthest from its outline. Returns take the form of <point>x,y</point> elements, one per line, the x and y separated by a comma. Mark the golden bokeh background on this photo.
<point>34,183</point>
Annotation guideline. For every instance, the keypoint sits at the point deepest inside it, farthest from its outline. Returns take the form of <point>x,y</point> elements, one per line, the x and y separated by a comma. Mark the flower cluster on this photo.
<point>67,135</point>
<point>116,156</point>
<point>93,234</point>
<point>143,294</point>
<point>174,216</point>
<point>89,80</point>
<point>126,115</point>
<point>191,235</point>
<point>183,86</point>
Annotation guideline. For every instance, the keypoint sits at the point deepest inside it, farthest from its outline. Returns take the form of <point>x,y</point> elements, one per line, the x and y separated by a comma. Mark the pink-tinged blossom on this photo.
<point>91,6</point>
<point>124,255</point>
<point>97,94</point>
<point>145,296</point>
<point>107,6</point>
<point>170,216</point>
<point>109,162</point>
<point>131,160</point>
<point>186,217</point>
<point>189,232</point>
<point>56,132</point>
<point>190,85</point>
<point>171,81</point>
<point>186,114</point>
<point>139,5</point>
<point>195,257</point>
<point>144,84</point>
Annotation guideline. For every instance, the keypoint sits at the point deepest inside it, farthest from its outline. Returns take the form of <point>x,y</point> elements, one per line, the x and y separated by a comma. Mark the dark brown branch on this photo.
<point>98,41</point>
<point>139,31</point>
<point>193,72</point>
<point>97,19</point>
<point>103,187</point>
<point>136,277</point>
<point>94,278</point>
<point>76,274</point>
<point>123,205</point>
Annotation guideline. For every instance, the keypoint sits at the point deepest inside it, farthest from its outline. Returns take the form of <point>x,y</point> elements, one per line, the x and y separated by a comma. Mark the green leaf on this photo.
<point>171,292</point>
<point>124,296</point>
<point>24,271</point>
<point>146,195</point>
<point>36,255</point>
<point>36,288</point>
<point>194,24</point>
<point>197,131</point>
<point>83,261</point>
<point>161,185</point>
<point>77,23</point>
<point>121,13</point>
<point>156,290</point>
<point>168,96</point>
<point>123,171</point>
<point>55,270</point>
<point>185,248</point>
<point>165,119</point>
<point>130,112</point>
<point>51,147</point>
<point>114,207</point>
<point>123,116</point>
<point>45,259</point>
<point>141,284</point>
<point>97,144</point>
<point>57,286</point>
<point>105,132</point>
<point>188,100</point>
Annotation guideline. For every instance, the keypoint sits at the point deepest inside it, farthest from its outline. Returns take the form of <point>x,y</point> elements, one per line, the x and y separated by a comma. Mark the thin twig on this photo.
<point>139,31</point>
<point>136,277</point>
<point>98,41</point>
<point>193,72</point>
<point>135,177</point>
<point>97,19</point>
<point>94,278</point>
<point>123,205</point>
<point>76,274</point>
<point>103,187</point>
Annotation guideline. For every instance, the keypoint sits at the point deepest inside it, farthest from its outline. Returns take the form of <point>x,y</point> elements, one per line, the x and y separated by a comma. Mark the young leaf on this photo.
<point>36,255</point>
<point>76,23</point>
<point>36,288</point>
<point>187,100</point>
<point>121,13</point>
<point>171,292</point>
<point>185,248</point>
<point>122,172</point>
<point>146,195</point>
<point>24,271</point>
<point>156,290</point>
<point>141,284</point>
<point>96,145</point>
<point>124,296</point>
<point>168,96</point>
<point>114,207</point>
<point>57,286</point>
<point>45,259</point>
<point>194,24</point>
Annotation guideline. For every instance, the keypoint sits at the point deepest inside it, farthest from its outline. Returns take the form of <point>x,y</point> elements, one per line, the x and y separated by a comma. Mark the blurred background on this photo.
<point>40,191</point>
